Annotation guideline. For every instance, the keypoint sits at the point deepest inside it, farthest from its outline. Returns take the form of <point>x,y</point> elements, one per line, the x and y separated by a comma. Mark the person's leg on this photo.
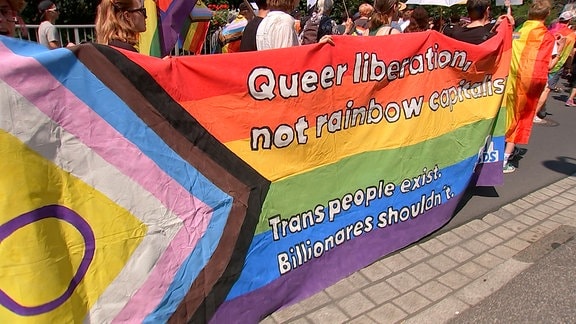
<point>553,79</point>
<point>540,105</point>
<point>570,101</point>
<point>542,100</point>
<point>507,167</point>
<point>572,81</point>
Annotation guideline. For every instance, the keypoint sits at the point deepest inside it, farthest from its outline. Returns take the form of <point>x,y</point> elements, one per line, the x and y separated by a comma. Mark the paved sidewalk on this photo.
<point>435,280</point>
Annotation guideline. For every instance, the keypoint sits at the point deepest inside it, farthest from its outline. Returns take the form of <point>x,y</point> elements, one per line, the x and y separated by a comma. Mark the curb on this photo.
<point>437,279</point>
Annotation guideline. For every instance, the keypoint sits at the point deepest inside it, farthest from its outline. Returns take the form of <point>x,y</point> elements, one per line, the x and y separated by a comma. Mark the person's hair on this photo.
<point>17,5</point>
<point>437,23</point>
<point>418,20</point>
<point>111,24</point>
<point>455,18</point>
<point>244,7</point>
<point>539,10</point>
<point>383,13</point>
<point>281,5</point>
<point>262,5</point>
<point>477,8</point>
<point>365,10</point>
<point>324,7</point>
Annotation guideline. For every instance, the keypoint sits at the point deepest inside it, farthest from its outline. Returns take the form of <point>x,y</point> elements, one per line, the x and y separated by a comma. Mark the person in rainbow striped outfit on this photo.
<point>532,47</point>
<point>568,38</point>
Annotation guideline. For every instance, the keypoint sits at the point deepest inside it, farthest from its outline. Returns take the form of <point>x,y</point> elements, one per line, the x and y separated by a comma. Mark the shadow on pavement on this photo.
<point>472,191</point>
<point>562,164</point>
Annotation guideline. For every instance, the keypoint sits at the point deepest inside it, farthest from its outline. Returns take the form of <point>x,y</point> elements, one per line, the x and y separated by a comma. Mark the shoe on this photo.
<point>570,103</point>
<point>508,168</point>
<point>538,120</point>
<point>542,113</point>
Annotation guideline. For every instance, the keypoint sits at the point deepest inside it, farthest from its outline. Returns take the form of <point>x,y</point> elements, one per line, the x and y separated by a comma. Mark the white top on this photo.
<point>403,23</point>
<point>47,33</point>
<point>276,31</point>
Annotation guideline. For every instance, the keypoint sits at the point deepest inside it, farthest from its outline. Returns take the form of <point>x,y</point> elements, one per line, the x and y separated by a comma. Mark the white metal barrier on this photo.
<point>85,33</point>
<point>68,33</point>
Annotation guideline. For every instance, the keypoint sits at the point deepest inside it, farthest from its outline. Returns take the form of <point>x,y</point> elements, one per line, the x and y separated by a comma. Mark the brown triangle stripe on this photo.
<point>183,134</point>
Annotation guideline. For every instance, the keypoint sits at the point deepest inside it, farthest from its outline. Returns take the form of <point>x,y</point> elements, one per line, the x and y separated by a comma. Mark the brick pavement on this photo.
<point>433,281</point>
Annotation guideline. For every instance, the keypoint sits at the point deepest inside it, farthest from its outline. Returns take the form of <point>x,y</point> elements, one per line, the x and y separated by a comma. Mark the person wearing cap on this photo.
<point>9,10</point>
<point>404,21</point>
<point>565,39</point>
<point>120,22</point>
<point>47,33</point>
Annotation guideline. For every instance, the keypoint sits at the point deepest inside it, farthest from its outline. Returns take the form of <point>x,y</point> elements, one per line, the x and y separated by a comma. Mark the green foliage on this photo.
<point>72,12</point>
<point>220,13</point>
<point>84,11</point>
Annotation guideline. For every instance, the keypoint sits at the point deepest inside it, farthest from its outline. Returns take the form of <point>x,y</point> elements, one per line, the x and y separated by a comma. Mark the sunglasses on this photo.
<point>142,10</point>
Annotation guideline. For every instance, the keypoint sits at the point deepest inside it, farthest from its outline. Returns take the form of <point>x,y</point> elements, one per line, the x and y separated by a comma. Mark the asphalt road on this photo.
<point>544,293</point>
<point>550,156</point>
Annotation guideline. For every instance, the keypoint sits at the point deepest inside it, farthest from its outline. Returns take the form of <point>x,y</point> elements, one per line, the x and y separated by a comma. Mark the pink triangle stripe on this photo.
<point>82,121</point>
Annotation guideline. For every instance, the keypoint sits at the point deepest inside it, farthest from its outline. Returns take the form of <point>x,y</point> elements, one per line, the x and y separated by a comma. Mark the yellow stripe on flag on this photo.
<point>147,40</point>
<point>277,163</point>
<point>47,253</point>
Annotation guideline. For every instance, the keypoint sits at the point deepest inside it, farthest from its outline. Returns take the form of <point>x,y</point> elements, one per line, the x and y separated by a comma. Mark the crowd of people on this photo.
<point>118,22</point>
<point>277,24</point>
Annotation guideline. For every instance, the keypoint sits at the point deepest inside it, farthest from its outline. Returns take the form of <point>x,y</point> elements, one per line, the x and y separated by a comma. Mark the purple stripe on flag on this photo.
<point>490,174</point>
<point>172,21</point>
<point>334,265</point>
<point>67,215</point>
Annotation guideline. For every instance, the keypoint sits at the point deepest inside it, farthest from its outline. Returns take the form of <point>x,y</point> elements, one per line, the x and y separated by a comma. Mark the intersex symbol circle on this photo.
<point>64,214</point>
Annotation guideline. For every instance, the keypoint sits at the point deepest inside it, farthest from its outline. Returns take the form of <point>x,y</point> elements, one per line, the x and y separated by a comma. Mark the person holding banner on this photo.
<point>480,28</point>
<point>120,22</point>
<point>9,10</point>
<point>385,13</point>
<point>532,47</point>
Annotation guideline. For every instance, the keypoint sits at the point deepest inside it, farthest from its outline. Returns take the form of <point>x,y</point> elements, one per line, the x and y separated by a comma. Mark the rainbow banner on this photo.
<point>193,34</point>
<point>231,35</point>
<point>567,33</point>
<point>532,47</point>
<point>164,26</point>
<point>149,42</point>
<point>220,188</point>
